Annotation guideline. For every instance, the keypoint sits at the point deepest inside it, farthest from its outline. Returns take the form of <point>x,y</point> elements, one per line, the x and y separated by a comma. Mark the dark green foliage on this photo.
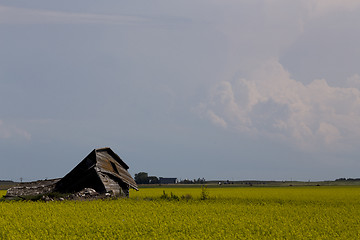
<point>172,196</point>
<point>141,178</point>
<point>204,193</point>
<point>144,178</point>
<point>186,197</point>
<point>153,180</point>
<point>195,181</point>
<point>347,179</point>
<point>169,197</point>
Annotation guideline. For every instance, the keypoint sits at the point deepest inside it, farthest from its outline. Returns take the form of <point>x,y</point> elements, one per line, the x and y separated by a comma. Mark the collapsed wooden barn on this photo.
<point>102,170</point>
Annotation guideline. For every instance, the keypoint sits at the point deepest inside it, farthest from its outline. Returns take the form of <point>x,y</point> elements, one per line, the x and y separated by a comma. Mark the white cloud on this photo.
<point>216,119</point>
<point>10,131</point>
<point>270,103</point>
<point>328,133</point>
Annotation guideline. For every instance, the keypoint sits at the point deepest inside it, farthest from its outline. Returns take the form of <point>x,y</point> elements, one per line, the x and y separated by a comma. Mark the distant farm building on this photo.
<point>102,170</point>
<point>167,180</point>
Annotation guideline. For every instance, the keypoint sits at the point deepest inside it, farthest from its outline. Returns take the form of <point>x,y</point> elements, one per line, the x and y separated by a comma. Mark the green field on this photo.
<point>226,213</point>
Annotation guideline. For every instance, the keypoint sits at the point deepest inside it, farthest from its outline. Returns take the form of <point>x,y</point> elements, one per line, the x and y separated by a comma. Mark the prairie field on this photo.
<point>192,213</point>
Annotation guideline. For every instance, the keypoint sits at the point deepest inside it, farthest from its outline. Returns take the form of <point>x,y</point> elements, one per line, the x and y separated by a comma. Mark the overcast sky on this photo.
<point>220,89</point>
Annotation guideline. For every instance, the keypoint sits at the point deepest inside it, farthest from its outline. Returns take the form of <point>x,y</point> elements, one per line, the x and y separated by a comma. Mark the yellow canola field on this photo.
<point>229,213</point>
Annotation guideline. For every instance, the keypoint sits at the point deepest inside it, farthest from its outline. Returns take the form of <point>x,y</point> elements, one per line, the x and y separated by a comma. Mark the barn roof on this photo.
<point>104,156</point>
<point>114,155</point>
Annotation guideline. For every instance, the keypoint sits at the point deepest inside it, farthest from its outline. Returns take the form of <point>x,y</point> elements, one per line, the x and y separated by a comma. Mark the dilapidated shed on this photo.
<point>102,170</point>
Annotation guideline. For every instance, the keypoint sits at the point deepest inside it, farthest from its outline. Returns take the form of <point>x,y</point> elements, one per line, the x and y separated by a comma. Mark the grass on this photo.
<point>226,213</point>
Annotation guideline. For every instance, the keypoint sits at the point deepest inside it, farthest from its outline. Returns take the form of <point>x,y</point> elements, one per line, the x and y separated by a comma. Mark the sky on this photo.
<point>220,89</point>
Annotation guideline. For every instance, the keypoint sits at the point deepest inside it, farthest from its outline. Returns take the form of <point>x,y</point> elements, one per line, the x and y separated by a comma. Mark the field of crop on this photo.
<point>225,213</point>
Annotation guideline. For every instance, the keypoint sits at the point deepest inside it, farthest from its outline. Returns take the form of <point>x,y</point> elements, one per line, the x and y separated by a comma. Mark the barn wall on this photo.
<point>83,175</point>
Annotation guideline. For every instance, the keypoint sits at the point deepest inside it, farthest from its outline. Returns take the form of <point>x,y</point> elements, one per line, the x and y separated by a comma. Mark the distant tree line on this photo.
<point>5,181</point>
<point>195,181</point>
<point>144,178</point>
<point>347,179</point>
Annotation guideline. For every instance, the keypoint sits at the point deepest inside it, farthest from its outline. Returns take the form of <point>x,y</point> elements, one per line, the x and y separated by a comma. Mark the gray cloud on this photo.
<point>125,74</point>
<point>270,103</point>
